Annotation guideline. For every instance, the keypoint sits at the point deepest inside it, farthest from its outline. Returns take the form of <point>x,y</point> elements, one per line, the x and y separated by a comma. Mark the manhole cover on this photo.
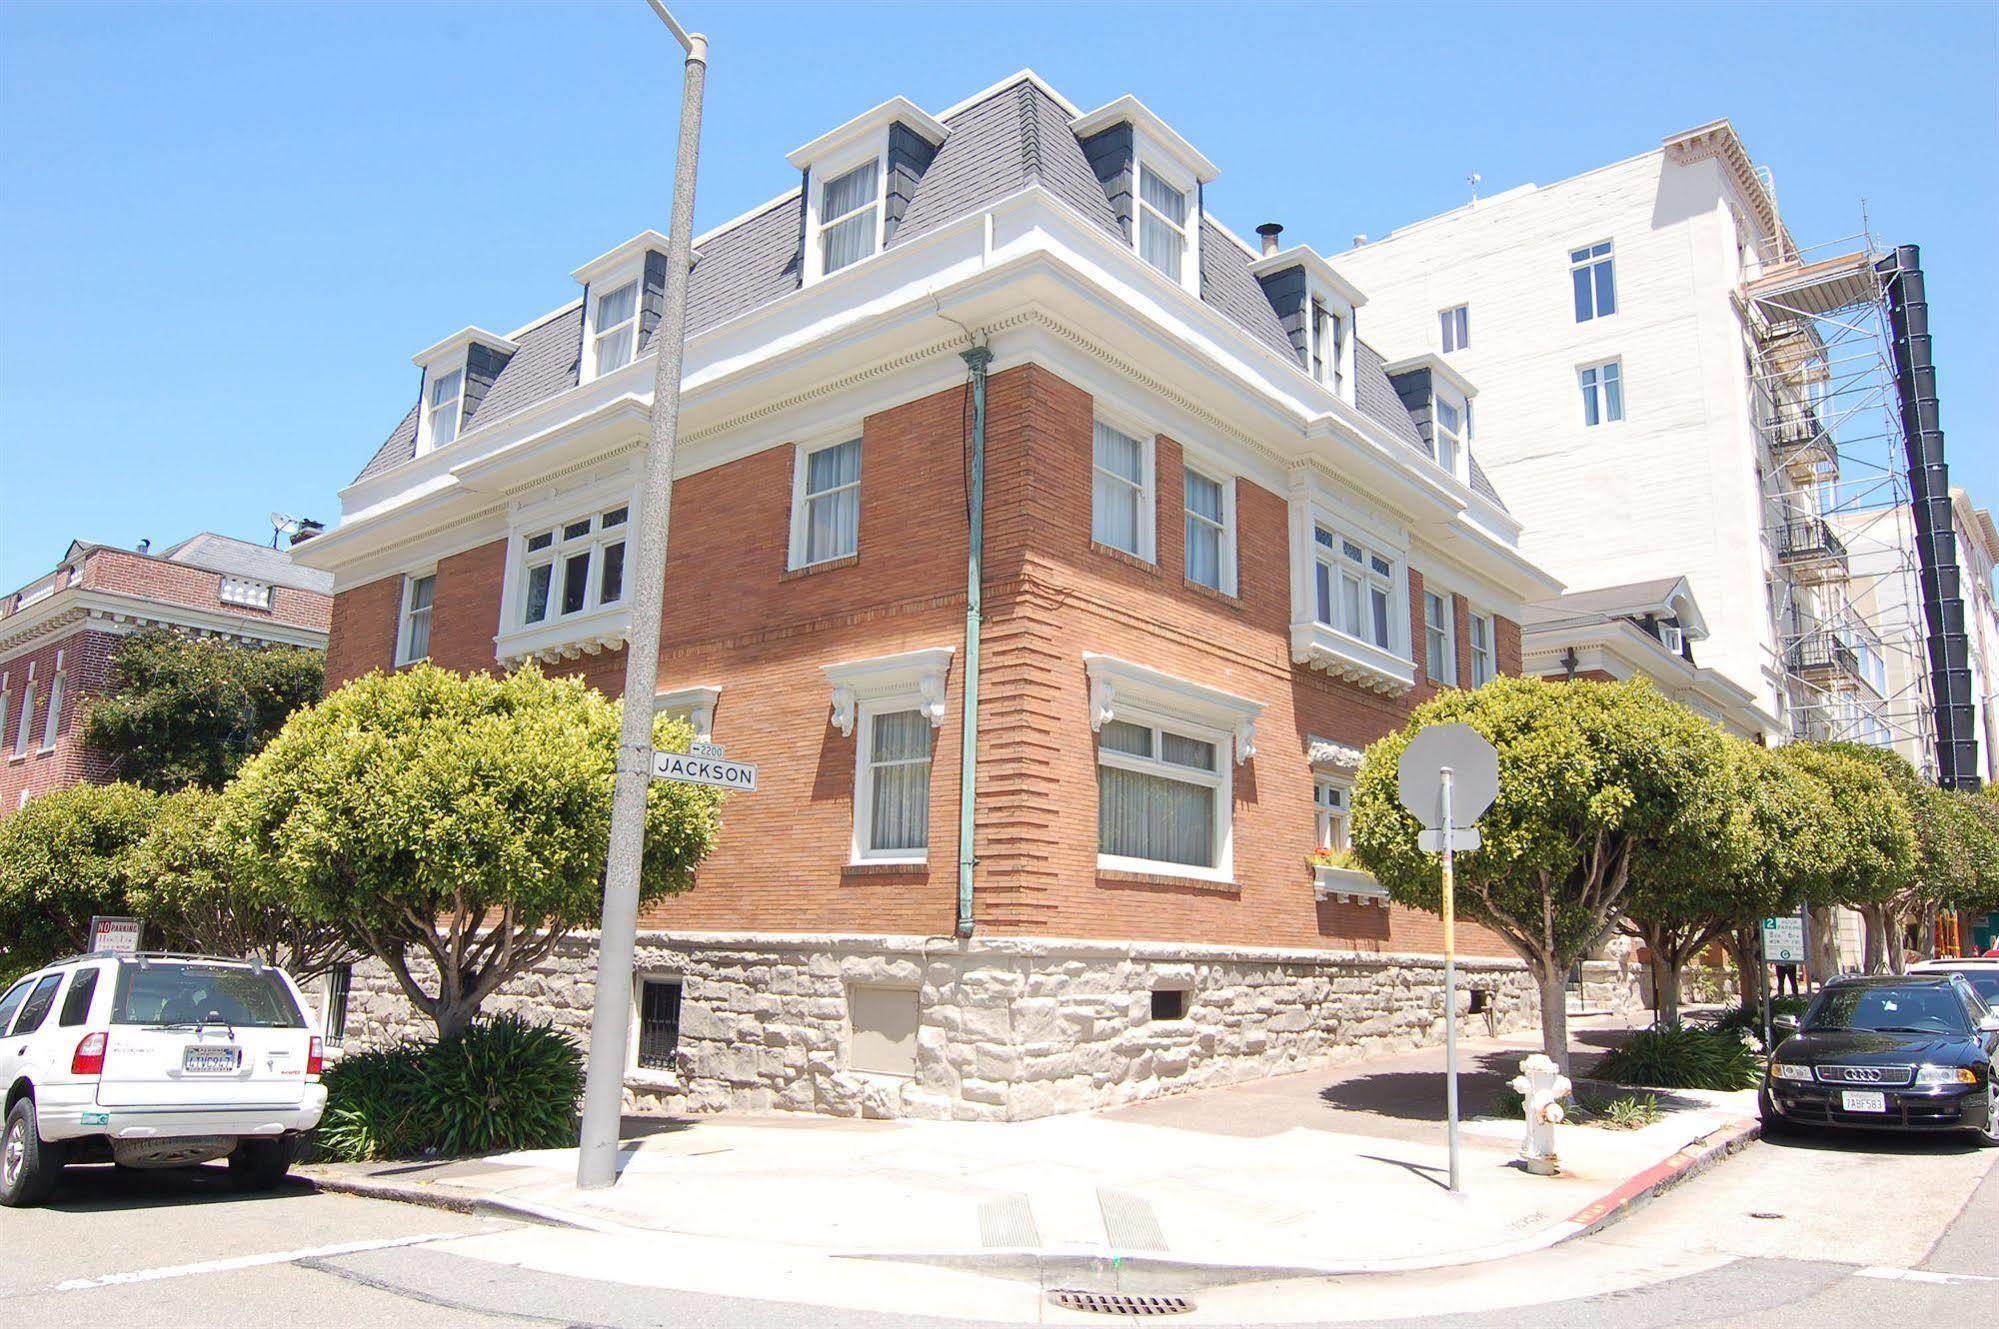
<point>1119,1303</point>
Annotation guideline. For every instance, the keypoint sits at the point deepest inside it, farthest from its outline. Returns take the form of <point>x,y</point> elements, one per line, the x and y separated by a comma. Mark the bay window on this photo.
<point>1354,586</point>
<point>574,568</point>
<point>826,515</point>
<point>615,328</point>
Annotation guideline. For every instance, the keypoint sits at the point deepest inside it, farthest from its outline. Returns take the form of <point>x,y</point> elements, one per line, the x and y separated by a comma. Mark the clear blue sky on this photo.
<point>224,230</point>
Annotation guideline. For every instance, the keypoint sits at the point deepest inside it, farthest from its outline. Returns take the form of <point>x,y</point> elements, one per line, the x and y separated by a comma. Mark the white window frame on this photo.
<point>555,556</point>
<point>1341,567</point>
<point>1454,328</point>
<point>1326,314</point>
<point>1390,671</point>
<point>1332,822</point>
<point>406,616</point>
<point>1484,658</point>
<point>1226,563</point>
<point>864,785</point>
<point>432,378</point>
<point>1584,258</point>
<point>1593,382</point>
<point>6,710</point>
<point>801,467</point>
<point>635,280</point>
<point>1148,497</point>
<point>1189,189</point>
<point>1459,440</point>
<point>1220,780</point>
<point>53,707</point>
<point>27,719</point>
<point>825,172</point>
<point>861,689</point>
<point>1447,676</point>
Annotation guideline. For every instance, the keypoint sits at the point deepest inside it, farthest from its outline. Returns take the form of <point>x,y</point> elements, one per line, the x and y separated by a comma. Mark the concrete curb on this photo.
<point>1133,1270</point>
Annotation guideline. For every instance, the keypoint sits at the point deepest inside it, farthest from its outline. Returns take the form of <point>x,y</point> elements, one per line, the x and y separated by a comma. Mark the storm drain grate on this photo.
<point>1119,1303</point>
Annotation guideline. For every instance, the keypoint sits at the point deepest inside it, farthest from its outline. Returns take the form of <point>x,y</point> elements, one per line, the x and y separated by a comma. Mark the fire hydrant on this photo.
<point>1541,1088</point>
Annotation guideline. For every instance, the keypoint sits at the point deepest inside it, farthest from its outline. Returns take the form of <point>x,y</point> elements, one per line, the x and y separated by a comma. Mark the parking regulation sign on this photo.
<point>1784,940</point>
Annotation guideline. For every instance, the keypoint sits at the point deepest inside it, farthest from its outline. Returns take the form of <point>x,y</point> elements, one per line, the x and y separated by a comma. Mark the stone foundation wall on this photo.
<point>1007,1028</point>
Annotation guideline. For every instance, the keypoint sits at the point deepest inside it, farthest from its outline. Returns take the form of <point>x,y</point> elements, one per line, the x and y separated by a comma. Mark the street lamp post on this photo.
<point>610,1014</point>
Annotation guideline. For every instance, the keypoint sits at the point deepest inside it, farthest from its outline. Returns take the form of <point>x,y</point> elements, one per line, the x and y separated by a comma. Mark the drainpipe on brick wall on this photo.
<point>968,756</point>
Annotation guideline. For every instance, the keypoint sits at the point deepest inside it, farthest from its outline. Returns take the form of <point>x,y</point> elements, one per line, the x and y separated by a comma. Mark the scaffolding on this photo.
<point>1840,553</point>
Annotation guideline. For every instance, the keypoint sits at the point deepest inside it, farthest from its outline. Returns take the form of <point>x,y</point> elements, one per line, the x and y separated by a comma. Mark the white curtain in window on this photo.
<point>848,238</point>
<point>833,502</point>
<point>1149,816</point>
<point>1162,239</point>
<point>899,765</point>
<point>1118,486</point>
<point>617,329</point>
<point>417,638</point>
<point>1204,530</point>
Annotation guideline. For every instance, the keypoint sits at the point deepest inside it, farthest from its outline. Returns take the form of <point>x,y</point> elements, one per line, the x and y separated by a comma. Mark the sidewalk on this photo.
<point>1341,1170</point>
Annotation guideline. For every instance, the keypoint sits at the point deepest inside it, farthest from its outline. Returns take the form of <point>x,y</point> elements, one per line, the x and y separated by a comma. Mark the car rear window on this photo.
<point>1925,1009</point>
<point>191,993</point>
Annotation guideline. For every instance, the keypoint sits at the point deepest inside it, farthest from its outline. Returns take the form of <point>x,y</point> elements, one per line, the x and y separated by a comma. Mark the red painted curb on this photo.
<point>1710,1148</point>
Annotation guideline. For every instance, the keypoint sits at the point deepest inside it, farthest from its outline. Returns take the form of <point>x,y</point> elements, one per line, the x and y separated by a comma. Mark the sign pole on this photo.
<point>1763,982</point>
<point>1450,980</point>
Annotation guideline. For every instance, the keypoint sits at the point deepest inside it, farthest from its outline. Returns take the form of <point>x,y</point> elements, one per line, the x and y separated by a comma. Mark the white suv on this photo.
<point>154,1061</point>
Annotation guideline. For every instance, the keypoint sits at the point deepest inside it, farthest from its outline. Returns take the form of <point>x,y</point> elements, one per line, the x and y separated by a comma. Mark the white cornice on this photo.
<point>1316,269</point>
<point>1130,110</point>
<point>918,675</point>
<point>1622,649</point>
<point>632,250</point>
<point>894,110</point>
<point>455,345</point>
<point>1437,365</point>
<point>109,611</point>
<point>1115,683</point>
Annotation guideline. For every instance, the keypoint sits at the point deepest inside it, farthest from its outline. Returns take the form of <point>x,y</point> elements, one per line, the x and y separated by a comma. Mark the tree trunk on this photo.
<point>1665,989</point>
<point>1553,980</point>
<point>1825,945</point>
<point>454,1018</point>
<point>1874,957</point>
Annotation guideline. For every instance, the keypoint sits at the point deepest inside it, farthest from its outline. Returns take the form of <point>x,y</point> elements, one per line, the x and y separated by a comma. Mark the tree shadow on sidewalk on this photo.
<point>1419,1095</point>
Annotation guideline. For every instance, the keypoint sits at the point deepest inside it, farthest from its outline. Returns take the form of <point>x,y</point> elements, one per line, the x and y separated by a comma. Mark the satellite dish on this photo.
<point>283,523</point>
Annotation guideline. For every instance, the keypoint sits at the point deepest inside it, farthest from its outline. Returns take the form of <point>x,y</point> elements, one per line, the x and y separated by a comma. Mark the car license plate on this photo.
<point>1852,1101</point>
<point>215,1059</point>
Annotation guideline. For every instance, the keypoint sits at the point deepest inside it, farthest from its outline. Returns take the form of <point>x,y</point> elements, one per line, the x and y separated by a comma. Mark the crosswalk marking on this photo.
<point>1922,1275</point>
<point>249,1261</point>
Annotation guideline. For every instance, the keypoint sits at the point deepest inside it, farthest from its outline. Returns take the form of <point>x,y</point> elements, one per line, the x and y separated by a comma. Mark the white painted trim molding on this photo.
<point>921,675</point>
<point>1115,683</point>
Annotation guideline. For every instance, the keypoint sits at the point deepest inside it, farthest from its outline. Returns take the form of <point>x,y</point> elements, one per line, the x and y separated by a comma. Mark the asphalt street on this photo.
<point>1860,1230</point>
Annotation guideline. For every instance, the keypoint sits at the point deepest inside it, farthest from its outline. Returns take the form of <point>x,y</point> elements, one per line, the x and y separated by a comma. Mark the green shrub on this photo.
<point>372,1105</point>
<point>1741,1020</point>
<point>502,1084</point>
<point>1682,1057</point>
<point>1628,1112</point>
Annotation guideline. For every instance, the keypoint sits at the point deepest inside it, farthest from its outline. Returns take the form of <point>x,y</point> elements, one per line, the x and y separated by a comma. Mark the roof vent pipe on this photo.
<point>1359,239</point>
<point>145,545</point>
<point>1270,231</point>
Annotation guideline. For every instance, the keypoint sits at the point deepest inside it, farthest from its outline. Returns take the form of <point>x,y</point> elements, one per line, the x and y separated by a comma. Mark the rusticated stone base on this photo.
<point>1007,1028</point>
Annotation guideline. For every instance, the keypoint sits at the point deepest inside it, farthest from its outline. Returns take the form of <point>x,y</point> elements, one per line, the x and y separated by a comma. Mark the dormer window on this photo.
<point>1453,430</point>
<point>1162,224</point>
<point>850,216</point>
<point>615,328</point>
<point>859,180</point>
<point>447,391</point>
<point>1329,347</point>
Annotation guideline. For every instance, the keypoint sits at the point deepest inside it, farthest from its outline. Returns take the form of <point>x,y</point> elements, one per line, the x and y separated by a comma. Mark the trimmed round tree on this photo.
<point>455,826</point>
<point>195,896</point>
<point>64,857</point>
<point>1876,835</point>
<point>1593,779</point>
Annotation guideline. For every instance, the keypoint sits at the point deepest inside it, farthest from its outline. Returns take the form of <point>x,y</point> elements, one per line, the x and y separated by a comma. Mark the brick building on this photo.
<point>58,632</point>
<point>1226,547</point>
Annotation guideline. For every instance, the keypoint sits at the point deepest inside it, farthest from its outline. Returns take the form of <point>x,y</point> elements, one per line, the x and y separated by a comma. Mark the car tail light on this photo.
<point>89,1058</point>
<point>315,1056</point>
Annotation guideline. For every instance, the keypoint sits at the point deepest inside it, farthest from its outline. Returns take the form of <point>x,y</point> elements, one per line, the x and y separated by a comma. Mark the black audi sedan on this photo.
<point>1913,1052</point>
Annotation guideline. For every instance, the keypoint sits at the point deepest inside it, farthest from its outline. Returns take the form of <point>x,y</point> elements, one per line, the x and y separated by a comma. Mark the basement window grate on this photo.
<point>1119,1303</point>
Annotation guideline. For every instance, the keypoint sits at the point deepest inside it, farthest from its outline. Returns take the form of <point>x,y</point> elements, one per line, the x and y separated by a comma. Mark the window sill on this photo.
<point>1330,883</point>
<point>1208,592</point>
<point>1351,659</point>
<point>1117,555</point>
<point>814,569</point>
<point>874,868</point>
<point>600,630</point>
<point>1122,877</point>
<point>645,1077</point>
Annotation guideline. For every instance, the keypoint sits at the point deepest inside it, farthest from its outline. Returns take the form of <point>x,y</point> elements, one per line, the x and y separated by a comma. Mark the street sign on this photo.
<point>1474,767</point>
<point>1462,839</point>
<point>115,936</point>
<point>702,768</point>
<point>1784,940</point>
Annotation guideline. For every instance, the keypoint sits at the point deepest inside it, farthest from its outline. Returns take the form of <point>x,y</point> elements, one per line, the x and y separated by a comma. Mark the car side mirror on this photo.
<point>1784,1024</point>
<point>1990,1024</point>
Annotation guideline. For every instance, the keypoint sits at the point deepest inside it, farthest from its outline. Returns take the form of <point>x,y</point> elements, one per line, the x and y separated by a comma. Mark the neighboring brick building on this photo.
<point>58,632</point>
<point>1226,547</point>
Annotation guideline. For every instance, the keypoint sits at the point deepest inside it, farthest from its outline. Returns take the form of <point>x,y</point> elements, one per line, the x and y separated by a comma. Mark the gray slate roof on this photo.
<point>253,562</point>
<point>1017,135</point>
